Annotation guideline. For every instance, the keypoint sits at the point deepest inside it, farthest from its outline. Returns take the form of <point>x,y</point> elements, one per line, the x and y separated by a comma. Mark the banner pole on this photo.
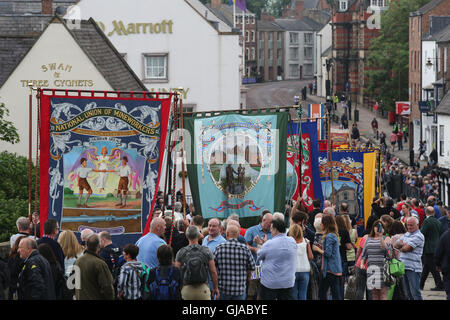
<point>183,171</point>
<point>174,173</point>
<point>300,149</point>
<point>30,144</point>
<point>330,157</point>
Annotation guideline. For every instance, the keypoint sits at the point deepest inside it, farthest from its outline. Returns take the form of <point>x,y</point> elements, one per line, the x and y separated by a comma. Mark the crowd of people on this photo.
<point>298,255</point>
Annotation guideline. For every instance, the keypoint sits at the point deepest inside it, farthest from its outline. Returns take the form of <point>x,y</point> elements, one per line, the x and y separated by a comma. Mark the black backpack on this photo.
<point>195,266</point>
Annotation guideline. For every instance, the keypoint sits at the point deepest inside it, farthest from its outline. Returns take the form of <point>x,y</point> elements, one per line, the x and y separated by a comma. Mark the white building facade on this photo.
<point>324,42</point>
<point>174,44</point>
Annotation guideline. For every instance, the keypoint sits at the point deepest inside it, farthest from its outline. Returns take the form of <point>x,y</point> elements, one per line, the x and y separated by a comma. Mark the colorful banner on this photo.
<point>100,162</point>
<point>315,111</point>
<point>353,182</point>
<point>237,164</point>
<point>310,177</point>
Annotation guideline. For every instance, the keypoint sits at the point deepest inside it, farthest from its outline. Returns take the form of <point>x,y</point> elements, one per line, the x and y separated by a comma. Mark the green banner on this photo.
<point>238,164</point>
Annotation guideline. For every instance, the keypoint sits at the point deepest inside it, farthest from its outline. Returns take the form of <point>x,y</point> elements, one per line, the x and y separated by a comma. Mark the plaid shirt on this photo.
<point>233,260</point>
<point>129,280</point>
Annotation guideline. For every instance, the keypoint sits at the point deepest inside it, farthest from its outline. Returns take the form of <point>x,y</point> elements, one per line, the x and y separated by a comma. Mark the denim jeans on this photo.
<point>361,285</point>
<point>231,297</point>
<point>343,278</point>
<point>412,285</point>
<point>275,294</point>
<point>301,285</point>
<point>330,281</point>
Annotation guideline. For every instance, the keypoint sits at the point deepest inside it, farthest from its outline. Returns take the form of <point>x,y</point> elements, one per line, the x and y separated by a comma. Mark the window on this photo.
<point>270,36</point>
<point>156,66</point>
<point>247,19</point>
<point>308,38</point>
<point>247,52</point>
<point>441,140</point>
<point>293,53</point>
<point>293,38</point>
<point>343,5</point>
<point>246,36</point>
<point>345,196</point>
<point>308,69</point>
<point>253,53</point>
<point>253,20</point>
<point>308,52</point>
<point>294,70</point>
<point>253,36</point>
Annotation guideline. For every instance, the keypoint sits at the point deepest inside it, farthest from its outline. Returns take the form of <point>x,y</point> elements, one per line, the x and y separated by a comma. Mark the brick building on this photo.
<point>271,49</point>
<point>351,42</point>
<point>225,13</point>
<point>419,28</point>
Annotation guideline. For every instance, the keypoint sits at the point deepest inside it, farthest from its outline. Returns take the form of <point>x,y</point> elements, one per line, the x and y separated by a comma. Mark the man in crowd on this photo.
<point>431,201</point>
<point>23,228</point>
<point>179,239</point>
<point>234,263</point>
<point>235,217</point>
<point>35,278</point>
<point>431,230</point>
<point>214,238</point>
<point>445,219</point>
<point>442,260</point>
<point>196,263</point>
<point>410,246</point>
<point>316,209</point>
<point>301,219</point>
<point>329,211</point>
<point>255,236</point>
<point>129,282</point>
<point>415,204</point>
<point>109,251</point>
<point>149,244</point>
<point>96,281</point>
<point>278,257</point>
<point>51,231</point>
<point>85,233</point>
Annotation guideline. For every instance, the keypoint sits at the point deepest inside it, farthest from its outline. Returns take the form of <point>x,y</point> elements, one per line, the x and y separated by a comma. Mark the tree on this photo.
<point>14,192</point>
<point>8,132</point>
<point>275,7</point>
<point>389,55</point>
<point>254,6</point>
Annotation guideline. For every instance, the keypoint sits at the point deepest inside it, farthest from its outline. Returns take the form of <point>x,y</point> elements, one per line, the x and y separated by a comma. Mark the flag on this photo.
<point>352,181</point>
<point>241,4</point>
<point>318,111</point>
<point>237,164</point>
<point>93,136</point>
<point>310,177</point>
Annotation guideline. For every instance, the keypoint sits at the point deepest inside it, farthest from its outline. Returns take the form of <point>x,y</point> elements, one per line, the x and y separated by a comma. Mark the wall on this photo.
<point>444,161</point>
<point>202,61</point>
<point>57,48</point>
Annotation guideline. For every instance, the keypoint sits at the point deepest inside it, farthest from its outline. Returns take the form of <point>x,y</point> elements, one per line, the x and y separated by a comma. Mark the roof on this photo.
<point>268,26</point>
<point>305,24</point>
<point>437,25</point>
<point>443,35</point>
<point>18,34</point>
<point>430,5</point>
<point>225,13</point>
<point>209,15</point>
<point>444,105</point>
<point>327,52</point>
<point>30,6</point>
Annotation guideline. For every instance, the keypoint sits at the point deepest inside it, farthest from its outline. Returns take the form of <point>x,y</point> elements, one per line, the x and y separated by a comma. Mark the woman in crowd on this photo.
<point>71,249</point>
<point>361,272</point>
<point>387,222</point>
<point>396,231</point>
<point>59,280</point>
<point>353,238</point>
<point>303,268</point>
<point>375,252</point>
<point>15,264</point>
<point>331,260</point>
<point>345,244</point>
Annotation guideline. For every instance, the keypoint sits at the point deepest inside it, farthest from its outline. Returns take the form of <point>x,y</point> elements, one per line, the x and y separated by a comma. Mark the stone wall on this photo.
<point>4,249</point>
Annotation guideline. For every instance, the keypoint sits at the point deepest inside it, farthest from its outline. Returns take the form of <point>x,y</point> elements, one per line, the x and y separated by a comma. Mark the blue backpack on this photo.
<point>164,288</point>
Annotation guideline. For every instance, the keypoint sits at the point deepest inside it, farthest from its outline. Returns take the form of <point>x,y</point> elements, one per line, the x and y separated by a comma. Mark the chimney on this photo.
<point>265,16</point>
<point>216,3</point>
<point>47,6</point>
<point>299,7</point>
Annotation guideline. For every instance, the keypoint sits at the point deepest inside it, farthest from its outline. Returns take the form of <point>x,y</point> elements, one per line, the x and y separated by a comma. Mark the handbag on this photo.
<point>396,267</point>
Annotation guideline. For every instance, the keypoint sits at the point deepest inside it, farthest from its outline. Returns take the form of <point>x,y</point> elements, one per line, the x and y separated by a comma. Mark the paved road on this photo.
<point>278,93</point>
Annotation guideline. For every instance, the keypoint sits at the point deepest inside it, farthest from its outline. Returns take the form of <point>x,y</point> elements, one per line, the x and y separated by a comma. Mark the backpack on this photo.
<point>195,266</point>
<point>143,277</point>
<point>163,288</point>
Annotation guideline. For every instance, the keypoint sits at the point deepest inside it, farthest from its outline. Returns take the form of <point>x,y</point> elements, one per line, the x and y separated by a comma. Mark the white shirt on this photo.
<point>302,257</point>
<point>124,172</point>
<point>83,171</point>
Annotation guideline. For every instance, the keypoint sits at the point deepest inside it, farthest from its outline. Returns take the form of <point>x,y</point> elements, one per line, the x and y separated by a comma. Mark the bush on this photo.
<point>14,192</point>
<point>68,191</point>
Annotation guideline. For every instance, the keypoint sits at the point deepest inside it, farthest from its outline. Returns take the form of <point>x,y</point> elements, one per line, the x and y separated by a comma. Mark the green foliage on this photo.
<point>8,132</point>
<point>389,55</point>
<point>67,191</point>
<point>275,7</point>
<point>13,192</point>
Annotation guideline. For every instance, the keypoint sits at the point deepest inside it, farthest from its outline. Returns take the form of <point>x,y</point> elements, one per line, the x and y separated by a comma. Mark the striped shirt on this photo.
<point>373,252</point>
<point>413,259</point>
<point>129,280</point>
<point>233,260</point>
